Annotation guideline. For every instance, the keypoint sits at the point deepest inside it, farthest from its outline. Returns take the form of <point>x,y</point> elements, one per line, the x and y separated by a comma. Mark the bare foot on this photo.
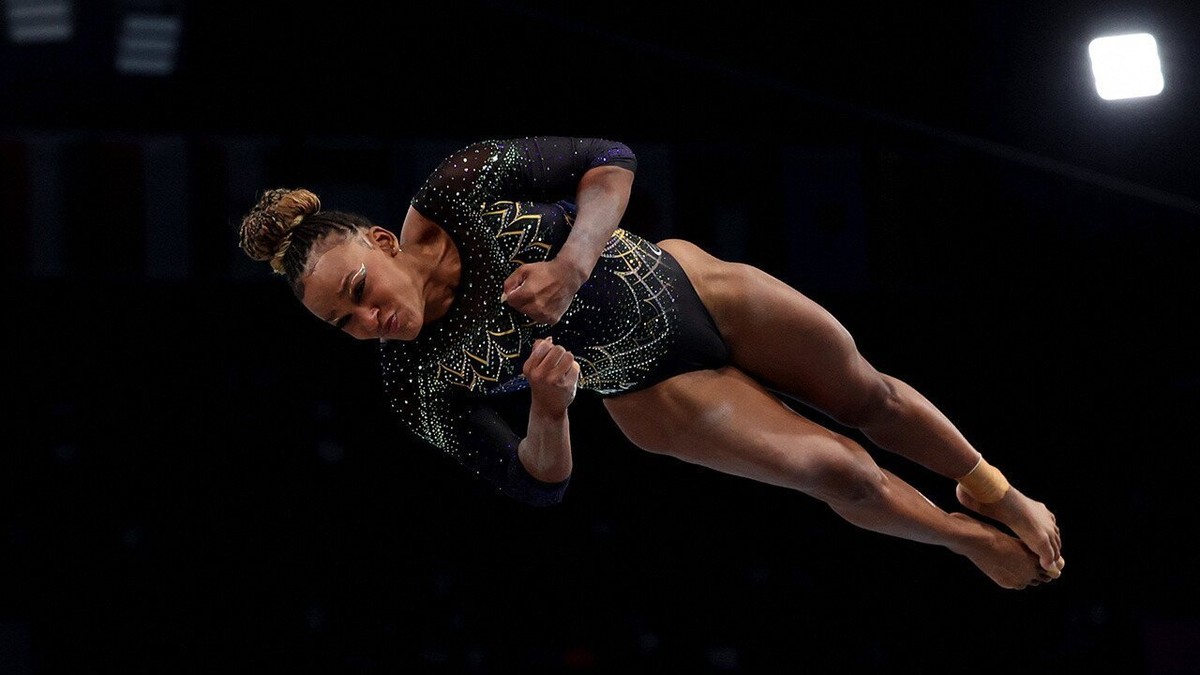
<point>1002,557</point>
<point>1028,519</point>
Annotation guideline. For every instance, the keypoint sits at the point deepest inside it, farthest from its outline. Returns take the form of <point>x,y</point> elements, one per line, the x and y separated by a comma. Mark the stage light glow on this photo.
<point>1126,66</point>
<point>39,21</point>
<point>149,44</point>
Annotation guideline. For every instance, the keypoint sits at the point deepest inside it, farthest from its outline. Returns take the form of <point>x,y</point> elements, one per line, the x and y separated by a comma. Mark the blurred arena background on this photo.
<point>199,479</point>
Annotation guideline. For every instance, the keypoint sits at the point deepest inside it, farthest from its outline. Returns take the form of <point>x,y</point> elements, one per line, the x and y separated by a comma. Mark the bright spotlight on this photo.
<point>1126,66</point>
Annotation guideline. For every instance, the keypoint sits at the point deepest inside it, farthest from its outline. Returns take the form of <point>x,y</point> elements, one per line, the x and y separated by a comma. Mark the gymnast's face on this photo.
<point>364,285</point>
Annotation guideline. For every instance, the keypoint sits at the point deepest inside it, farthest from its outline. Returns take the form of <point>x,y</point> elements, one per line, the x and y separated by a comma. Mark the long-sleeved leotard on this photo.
<point>635,321</point>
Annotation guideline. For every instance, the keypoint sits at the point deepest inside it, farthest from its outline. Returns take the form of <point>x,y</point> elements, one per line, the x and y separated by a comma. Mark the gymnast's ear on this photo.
<point>383,238</point>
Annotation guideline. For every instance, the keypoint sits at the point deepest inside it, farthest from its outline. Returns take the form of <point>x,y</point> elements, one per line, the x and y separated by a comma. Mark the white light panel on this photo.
<point>1126,66</point>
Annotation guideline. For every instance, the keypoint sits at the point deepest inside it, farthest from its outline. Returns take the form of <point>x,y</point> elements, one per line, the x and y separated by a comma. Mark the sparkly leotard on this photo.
<point>634,322</point>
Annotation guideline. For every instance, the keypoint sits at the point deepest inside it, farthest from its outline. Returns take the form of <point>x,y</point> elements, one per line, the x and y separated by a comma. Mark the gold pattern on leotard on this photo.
<point>619,326</point>
<point>489,351</point>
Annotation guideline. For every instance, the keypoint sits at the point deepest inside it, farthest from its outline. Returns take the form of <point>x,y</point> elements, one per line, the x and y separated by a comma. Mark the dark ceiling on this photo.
<point>978,73</point>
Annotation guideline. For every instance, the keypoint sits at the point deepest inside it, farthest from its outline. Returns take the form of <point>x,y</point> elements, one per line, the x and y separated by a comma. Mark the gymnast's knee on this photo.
<point>872,402</point>
<point>846,477</point>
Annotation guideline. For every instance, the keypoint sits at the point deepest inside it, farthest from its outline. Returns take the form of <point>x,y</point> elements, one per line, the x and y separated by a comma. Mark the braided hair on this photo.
<point>286,225</point>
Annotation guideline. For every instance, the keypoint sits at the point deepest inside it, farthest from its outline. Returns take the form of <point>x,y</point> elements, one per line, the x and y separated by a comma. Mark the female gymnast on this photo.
<point>511,270</point>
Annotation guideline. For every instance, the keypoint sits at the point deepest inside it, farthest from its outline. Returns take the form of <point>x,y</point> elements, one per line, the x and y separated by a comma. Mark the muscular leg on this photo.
<point>791,343</point>
<point>727,421</point>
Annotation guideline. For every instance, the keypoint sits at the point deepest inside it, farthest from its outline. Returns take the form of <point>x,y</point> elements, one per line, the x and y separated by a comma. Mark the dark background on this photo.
<point>198,479</point>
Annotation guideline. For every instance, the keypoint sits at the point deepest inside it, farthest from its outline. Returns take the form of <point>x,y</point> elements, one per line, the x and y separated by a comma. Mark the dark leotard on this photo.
<point>636,320</point>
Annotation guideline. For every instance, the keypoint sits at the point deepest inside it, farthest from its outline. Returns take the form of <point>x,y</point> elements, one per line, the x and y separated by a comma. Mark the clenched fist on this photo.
<point>553,376</point>
<point>542,291</point>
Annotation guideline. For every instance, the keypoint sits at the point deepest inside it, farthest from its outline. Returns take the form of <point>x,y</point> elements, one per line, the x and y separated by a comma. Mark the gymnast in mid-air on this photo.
<point>510,271</point>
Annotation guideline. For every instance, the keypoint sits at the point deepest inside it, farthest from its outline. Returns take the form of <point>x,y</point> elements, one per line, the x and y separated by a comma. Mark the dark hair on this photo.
<point>285,226</point>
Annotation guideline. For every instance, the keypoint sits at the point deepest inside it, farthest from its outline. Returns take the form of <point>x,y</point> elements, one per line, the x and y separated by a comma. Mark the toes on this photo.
<point>1055,569</point>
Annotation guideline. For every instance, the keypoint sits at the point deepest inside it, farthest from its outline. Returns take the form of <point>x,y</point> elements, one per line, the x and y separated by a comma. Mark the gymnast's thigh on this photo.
<point>725,420</point>
<point>783,338</point>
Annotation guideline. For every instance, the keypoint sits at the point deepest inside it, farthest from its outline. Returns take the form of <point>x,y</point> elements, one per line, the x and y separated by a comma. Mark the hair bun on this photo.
<point>264,230</point>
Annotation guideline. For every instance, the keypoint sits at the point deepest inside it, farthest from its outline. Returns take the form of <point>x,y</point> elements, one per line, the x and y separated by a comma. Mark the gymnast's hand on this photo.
<point>553,377</point>
<point>543,291</point>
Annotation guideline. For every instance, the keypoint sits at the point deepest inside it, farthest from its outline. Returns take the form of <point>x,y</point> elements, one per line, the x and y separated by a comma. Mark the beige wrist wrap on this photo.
<point>985,483</point>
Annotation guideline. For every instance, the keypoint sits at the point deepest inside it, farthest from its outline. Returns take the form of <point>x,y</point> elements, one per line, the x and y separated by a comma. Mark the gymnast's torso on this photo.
<point>635,321</point>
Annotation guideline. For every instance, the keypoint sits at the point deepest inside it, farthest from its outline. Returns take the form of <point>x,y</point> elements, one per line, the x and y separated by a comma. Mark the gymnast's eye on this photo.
<point>356,295</point>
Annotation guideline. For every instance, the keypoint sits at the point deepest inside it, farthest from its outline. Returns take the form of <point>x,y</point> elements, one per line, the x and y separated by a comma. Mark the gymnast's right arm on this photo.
<point>471,432</point>
<point>535,469</point>
<point>553,377</point>
<point>493,452</point>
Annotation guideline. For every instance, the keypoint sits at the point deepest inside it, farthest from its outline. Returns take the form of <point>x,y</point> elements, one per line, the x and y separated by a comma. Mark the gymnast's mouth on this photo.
<point>390,324</point>
<point>396,325</point>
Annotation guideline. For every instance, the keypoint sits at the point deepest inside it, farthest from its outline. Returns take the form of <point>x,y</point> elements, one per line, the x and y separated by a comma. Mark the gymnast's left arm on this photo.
<point>544,290</point>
